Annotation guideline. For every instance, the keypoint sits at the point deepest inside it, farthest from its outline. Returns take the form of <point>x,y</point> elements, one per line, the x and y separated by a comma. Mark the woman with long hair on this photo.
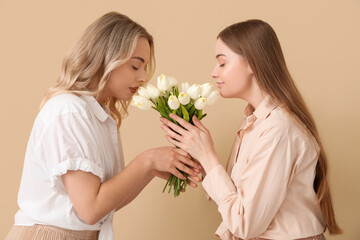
<point>275,185</point>
<point>74,177</point>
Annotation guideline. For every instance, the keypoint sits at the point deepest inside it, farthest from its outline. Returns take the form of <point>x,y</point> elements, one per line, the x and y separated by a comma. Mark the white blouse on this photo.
<point>69,133</point>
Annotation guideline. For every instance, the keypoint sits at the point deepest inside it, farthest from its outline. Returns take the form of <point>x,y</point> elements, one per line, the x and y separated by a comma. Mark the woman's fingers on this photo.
<point>185,169</point>
<point>176,143</point>
<point>176,173</point>
<point>195,178</point>
<point>173,126</point>
<point>198,124</point>
<point>182,152</point>
<point>171,133</point>
<point>191,182</point>
<point>182,122</point>
<point>187,165</point>
<point>188,162</point>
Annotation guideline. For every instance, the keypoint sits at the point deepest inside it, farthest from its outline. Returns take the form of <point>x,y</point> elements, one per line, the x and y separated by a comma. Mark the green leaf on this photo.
<point>203,116</point>
<point>180,112</point>
<point>189,105</point>
<point>159,102</point>
<point>191,111</point>
<point>185,113</point>
<point>199,115</point>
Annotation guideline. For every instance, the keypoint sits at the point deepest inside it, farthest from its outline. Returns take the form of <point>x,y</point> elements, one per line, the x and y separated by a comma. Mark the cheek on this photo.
<point>119,83</point>
<point>236,81</point>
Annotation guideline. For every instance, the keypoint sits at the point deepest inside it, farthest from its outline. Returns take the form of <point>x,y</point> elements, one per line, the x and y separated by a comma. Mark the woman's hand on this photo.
<point>196,140</point>
<point>166,160</point>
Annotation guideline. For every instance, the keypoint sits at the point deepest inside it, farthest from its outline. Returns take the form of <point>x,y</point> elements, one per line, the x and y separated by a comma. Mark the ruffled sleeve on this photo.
<point>69,143</point>
<point>73,165</point>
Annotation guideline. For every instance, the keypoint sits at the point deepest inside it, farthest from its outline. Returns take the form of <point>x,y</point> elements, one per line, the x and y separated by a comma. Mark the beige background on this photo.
<point>320,40</point>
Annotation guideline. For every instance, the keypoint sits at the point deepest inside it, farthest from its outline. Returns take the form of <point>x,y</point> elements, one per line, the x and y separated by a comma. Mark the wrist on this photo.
<point>209,161</point>
<point>145,160</point>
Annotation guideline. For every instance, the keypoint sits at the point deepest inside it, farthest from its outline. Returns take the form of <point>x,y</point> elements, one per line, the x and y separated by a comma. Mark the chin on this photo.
<point>126,97</point>
<point>223,94</point>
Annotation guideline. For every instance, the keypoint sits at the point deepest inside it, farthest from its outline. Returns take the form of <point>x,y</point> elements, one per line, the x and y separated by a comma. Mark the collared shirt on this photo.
<point>267,190</point>
<point>69,133</point>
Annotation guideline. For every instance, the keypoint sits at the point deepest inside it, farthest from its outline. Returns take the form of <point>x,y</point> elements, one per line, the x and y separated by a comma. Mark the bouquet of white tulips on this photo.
<point>166,98</point>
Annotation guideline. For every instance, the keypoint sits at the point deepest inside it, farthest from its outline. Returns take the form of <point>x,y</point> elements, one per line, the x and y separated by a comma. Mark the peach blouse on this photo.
<point>267,190</point>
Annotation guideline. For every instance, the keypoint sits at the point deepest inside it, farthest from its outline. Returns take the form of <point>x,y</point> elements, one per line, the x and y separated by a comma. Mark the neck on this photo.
<point>254,96</point>
<point>100,99</point>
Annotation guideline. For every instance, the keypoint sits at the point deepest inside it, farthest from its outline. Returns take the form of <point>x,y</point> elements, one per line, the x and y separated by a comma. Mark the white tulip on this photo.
<point>143,92</point>
<point>163,83</point>
<point>185,86</point>
<point>184,98</point>
<point>205,90</point>
<point>194,91</point>
<point>173,102</point>
<point>172,81</point>
<point>200,103</point>
<point>141,102</point>
<point>213,97</point>
<point>153,91</point>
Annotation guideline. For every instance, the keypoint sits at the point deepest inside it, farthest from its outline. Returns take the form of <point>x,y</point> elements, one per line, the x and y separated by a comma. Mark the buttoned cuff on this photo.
<point>218,184</point>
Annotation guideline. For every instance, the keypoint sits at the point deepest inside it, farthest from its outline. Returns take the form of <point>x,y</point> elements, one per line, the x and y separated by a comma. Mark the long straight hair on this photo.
<point>105,45</point>
<point>258,43</point>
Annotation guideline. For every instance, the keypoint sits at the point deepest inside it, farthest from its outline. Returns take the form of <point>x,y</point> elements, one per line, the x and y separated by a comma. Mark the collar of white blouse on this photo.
<point>96,108</point>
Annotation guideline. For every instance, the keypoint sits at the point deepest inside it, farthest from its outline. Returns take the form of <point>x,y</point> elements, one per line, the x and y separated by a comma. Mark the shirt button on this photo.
<point>251,118</point>
<point>241,193</point>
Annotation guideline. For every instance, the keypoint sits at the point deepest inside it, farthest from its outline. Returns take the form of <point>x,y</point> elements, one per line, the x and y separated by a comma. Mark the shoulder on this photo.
<point>284,124</point>
<point>281,124</point>
<point>63,105</point>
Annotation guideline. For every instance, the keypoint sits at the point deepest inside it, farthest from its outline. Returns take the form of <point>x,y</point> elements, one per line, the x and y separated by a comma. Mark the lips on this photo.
<point>220,84</point>
<point>133,89</point>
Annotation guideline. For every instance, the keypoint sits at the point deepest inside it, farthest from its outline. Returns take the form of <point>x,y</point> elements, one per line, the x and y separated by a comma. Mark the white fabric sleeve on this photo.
<point>69,143</point>
<point>73,164</point>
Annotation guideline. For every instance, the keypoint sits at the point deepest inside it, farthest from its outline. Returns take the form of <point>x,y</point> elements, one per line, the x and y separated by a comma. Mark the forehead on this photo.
<point>142,49</point>
<point>222,48</point>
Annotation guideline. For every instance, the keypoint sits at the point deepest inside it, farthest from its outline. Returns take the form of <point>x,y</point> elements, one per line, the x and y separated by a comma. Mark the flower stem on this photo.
<point>178,184</point>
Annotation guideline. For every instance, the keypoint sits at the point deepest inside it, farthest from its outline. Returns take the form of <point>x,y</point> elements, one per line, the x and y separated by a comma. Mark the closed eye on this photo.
<point>135,68</point>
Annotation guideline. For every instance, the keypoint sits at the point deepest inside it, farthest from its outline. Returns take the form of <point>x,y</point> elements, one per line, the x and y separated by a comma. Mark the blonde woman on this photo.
<point>74,177</point>
<point>275,185</point>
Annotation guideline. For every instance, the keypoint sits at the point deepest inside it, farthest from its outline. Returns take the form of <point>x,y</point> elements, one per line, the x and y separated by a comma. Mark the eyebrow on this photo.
<point>139,58</point>
<point>220,55</point>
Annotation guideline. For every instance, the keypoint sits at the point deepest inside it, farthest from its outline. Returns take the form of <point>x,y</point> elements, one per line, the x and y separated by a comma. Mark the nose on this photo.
<point>215,73</point>
<point>142,77</point>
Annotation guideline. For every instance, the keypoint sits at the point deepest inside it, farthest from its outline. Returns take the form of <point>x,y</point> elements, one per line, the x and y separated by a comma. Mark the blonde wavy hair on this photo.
<point>105,45</point>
